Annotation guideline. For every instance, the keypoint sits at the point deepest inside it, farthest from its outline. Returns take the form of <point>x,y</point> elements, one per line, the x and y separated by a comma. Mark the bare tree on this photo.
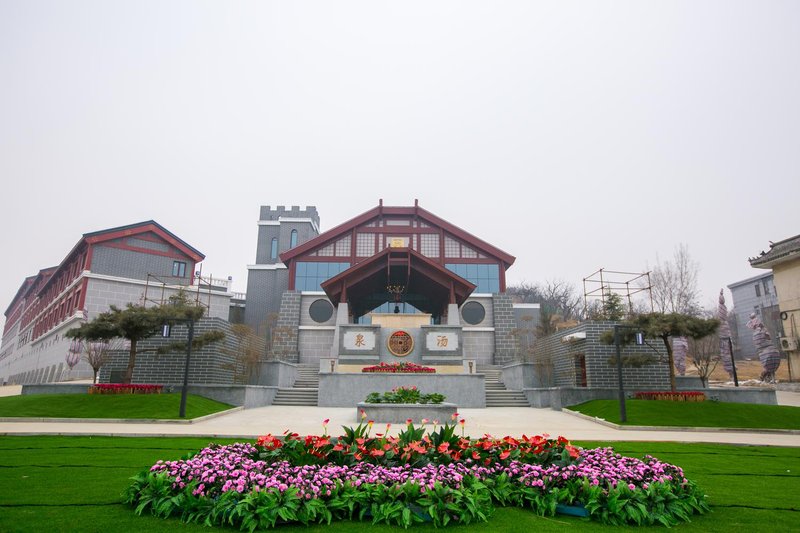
<point>559,301</point>
<point>247,352</point>
<point>674,284</point>
<point>704,355</point>
<point>96,354</point>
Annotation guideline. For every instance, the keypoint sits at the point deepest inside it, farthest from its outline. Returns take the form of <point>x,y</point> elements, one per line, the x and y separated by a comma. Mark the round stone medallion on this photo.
<point>400,343</point>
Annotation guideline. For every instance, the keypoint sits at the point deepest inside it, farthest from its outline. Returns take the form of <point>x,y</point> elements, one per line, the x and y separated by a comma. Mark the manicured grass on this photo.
<point>74,484</point>
<point>157,406</point>
<point>695,414</point>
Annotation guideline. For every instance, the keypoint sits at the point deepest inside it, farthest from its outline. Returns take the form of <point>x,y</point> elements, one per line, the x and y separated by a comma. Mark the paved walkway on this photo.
<point>500,421</point>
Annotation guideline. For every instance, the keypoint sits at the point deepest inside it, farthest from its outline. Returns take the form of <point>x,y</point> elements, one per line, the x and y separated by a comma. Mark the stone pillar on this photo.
<point>285,337</point>
<point>453,316</point>
<point>505,342</point>
<point>341,318</point>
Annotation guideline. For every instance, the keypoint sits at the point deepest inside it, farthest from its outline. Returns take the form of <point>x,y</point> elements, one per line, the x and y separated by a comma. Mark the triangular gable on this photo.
<point>143,228</point>
<point>478,247</point>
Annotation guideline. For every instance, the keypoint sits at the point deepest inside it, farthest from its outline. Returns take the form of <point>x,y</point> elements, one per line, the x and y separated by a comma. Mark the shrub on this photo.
<point>124,388</point>
<point>691,396</point>
<point>404,395</point>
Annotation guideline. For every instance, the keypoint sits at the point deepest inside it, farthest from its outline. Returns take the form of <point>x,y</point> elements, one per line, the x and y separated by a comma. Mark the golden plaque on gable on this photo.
<point>397,242</point>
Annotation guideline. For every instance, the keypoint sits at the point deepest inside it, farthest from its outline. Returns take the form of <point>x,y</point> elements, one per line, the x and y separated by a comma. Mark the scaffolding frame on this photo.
<point>601,283</point>
<point>156,283</point>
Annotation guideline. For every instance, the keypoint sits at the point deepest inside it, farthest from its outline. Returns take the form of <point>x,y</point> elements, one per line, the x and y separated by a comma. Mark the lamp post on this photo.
<point>733,361</point>
<point>623,414</point>
<point>185,388</point>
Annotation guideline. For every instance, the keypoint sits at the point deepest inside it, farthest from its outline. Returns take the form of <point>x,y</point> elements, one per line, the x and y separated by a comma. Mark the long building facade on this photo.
<point>141,263</point>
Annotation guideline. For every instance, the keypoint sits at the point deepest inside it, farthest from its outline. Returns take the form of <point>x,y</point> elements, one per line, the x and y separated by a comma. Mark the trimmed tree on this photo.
<point>137,322</point>
<point>663,326</point>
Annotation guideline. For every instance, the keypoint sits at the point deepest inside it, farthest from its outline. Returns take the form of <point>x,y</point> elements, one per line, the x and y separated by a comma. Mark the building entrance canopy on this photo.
<point>398,275</point>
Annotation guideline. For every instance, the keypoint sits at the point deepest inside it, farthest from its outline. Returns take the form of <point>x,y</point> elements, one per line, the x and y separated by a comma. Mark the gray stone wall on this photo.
<point>479,345</point>
<point>212,364</point>
<point>136,265</point>
<point>505,324</point>
<point>285,336</point>
<point>600,368</point>
<point>314,344</point>
<point>264,290</point>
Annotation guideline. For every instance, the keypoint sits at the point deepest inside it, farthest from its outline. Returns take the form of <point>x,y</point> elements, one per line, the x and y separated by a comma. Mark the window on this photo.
<point>309,275</point>
<point>293,239</point>
<point>758,289</point>
<point>473,313</point>
<point>273,253</point>
<point>429,245</point>
<point>320,311</point>
<point>766,287</point>
<point>179,269</point>
<point>486,277</point>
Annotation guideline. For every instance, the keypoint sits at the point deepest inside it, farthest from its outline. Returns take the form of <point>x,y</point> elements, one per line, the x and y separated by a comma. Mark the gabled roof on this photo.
<point>382,210</point>
<point>418,274</point>
<point>21,292</point>
<point>779,252</point>
<point>96,237</point>
<point>101,236</point>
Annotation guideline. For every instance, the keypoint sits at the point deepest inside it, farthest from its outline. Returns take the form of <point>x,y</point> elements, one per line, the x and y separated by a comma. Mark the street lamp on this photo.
<point>623,415</point>
<point>185,389</point>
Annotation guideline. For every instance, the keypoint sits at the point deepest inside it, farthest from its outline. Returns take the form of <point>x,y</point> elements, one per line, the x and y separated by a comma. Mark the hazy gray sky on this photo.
<point>573,135</point>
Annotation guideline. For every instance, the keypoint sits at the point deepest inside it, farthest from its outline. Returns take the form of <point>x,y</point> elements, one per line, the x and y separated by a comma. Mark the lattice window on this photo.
<point>326,251</point>
<point>429,245</point>
<point>414,242</point>
<point>365,245</point>
<point>451,247</point>
<point>343,246</point>
<point>468,252</point>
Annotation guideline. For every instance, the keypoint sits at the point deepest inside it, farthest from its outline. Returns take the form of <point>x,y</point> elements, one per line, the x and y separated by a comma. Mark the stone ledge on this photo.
<point>606,423</point>
<point>398,413</point>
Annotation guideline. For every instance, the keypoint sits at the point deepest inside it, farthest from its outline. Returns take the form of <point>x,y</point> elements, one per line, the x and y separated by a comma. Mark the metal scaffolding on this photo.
<point>602,283</point>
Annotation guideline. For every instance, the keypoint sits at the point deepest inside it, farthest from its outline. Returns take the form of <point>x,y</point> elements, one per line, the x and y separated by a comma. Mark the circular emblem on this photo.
<point>400,343</point>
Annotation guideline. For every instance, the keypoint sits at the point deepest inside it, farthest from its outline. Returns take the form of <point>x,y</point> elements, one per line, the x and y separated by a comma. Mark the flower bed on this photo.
<point>122,388</point>
<point>404,395</point>
<point>439,476</point>
<point>671,396</point>
<point>399,368</point>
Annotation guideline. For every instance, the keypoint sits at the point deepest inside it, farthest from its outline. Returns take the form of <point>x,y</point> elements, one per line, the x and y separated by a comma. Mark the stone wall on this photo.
<point>285,337</point>
<point>600,368</point>
<point>505,324</point>
<point>213,364</point>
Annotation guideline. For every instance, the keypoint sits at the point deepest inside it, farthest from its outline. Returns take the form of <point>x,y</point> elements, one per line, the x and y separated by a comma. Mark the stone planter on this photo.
<point>398,413</point>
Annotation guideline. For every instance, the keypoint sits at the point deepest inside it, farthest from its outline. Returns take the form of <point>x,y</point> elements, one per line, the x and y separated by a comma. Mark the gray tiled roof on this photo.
<point>778,251</point>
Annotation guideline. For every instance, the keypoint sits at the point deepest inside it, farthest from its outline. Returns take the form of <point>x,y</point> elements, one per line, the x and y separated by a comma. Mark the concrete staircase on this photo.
<point>496,393</point>
<point>305,390</point>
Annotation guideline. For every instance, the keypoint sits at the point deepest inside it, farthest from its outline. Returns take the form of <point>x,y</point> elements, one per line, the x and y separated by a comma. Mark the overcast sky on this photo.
<point>573,135</point>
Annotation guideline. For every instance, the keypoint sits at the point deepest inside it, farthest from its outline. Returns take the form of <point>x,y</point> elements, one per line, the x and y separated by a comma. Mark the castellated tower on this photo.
<point>279,229</point>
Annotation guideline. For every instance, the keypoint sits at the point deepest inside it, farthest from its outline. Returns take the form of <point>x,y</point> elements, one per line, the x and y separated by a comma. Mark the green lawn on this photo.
<point>74,483</point>
<point>157,406</point>
<point>695,414</point>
